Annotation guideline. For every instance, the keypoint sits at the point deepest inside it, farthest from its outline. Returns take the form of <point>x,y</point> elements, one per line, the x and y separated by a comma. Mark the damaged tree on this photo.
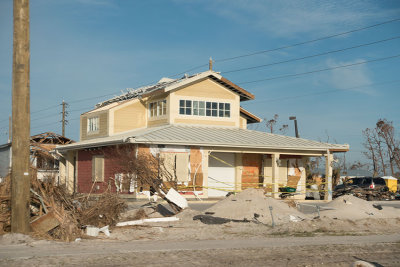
<point>383,149</point>
<point>146,170</point>
<point>271,124</point>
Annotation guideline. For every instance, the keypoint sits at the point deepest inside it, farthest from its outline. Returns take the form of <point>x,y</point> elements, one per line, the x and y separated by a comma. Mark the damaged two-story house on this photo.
<point>198,122</point>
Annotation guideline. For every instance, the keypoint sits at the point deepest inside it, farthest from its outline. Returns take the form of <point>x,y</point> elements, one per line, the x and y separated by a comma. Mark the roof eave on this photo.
<point>320,149</point>
<point>90,145</point>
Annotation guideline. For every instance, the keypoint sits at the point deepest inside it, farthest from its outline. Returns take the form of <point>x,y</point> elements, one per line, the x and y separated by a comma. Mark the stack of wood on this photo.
<point>56,214</point>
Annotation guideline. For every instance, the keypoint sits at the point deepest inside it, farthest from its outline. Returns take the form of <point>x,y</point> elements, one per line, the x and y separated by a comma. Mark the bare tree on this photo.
<point>371,150</point>
<point>386,131</point>
<point>271,124</point>
<point>383,148</point>
<point>146,170</point>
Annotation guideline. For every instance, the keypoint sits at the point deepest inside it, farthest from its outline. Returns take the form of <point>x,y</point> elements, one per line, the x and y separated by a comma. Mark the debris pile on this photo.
<point>379,193</point>
<point>252,205</point>
<point>58,215</point>
<point>5,196</point>
<point>349,207</point>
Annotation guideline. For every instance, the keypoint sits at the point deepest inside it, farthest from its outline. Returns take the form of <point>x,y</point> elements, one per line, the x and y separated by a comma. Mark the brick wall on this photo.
<point>85,184</point>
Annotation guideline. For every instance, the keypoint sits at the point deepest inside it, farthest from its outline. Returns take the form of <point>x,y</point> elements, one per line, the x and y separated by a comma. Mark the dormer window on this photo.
<point>158,108</point>
<point>93,124</point>
<point>204,108</point>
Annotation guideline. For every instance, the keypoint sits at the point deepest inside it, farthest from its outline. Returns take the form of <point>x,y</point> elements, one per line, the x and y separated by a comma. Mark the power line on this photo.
<point>311,56</point>
<point>50,107</point>
<point>286,76</point>
<point>308,42</point>
<point>320,70</point>
<point>52,123</point>
<point>321,92</point>
<point>236,57</point>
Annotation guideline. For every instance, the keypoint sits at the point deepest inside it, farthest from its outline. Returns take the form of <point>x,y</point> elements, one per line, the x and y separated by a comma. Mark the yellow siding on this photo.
<point>151,123</point>
<point>130,117</point>
<point>83,127</point>
<point>207,88</point>
<point>103,126</point>
<point>243,122</point>
<point>205,122</point>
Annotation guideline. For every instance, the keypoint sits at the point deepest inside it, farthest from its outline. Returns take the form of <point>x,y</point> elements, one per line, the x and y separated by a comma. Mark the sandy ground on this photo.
<point>280,251</point>
<point>350,229</point>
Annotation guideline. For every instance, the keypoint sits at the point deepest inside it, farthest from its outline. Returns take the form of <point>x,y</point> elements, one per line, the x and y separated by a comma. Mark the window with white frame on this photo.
<point>204,108</point>
<point>158,108</point>
<point>98,168</point>
<point>93,124</point>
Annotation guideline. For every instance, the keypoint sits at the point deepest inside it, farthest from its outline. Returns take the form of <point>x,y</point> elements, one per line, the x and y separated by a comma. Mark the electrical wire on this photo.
<point>241,56</point>
<point>321,92</point>
<point>320,70</point>
<point>307,42</point>
<point>312,56</point>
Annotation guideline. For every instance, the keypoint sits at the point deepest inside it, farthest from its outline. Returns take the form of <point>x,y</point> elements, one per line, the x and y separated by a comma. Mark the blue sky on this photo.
<point>84,49</point>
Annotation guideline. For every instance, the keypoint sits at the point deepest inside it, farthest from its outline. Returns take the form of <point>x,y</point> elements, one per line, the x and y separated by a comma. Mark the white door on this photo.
<point>221,174</point>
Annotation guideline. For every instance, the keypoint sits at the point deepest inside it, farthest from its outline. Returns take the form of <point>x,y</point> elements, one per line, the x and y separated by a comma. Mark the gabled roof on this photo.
<point>208,137</point>
<point>166,84</point>
<point>251,118</point>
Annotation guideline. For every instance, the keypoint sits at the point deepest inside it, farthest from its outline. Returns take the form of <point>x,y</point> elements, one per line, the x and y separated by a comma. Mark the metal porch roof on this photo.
<point>208,136</point>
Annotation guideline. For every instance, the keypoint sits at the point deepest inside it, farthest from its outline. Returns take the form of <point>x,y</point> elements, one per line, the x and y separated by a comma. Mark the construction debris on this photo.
<point>58,215</point>
<point>94,231</point>
<point>379,193</point>
<point>136,222</point>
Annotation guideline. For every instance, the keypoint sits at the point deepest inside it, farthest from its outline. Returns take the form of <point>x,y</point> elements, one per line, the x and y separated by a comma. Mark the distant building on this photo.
<point>45,162</point>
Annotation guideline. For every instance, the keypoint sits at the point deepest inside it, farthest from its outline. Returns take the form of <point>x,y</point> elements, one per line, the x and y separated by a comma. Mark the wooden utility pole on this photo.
<point>64,114</point>
<point>20,178</point>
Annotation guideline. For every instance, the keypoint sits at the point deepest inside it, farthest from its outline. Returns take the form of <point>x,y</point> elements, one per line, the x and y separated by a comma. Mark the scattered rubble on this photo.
<point>379,193</point>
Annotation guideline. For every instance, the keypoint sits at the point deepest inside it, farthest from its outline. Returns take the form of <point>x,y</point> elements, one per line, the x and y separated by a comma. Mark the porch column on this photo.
<point>69,171</point>
<point>238,171</point>
<point>205,159</point>
<point>328,176</point>
<point>62,172</point>
<point>275,175</point>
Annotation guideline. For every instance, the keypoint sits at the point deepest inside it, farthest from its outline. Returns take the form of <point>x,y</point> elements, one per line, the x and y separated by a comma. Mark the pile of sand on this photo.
<point>15,238</point>
<point>251,204</point>
<point>352,208</point>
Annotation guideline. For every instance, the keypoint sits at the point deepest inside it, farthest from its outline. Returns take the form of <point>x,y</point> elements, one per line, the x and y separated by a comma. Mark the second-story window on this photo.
<point>204,108</point>
<point>93,124</point>
<point>158,108</point>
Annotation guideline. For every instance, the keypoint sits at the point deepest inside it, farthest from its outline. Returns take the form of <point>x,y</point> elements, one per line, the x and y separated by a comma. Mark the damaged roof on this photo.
<point>208,137</point>
<point>167,84</point>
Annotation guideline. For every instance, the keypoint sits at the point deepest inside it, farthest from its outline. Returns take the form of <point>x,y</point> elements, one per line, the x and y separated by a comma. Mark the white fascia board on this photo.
<point>193,79</point>
<point>89,145</point>
<point>134,141</point>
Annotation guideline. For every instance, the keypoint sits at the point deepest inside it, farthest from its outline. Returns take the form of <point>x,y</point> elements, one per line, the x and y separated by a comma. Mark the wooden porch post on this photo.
<point>328,176</point>
<point>275,175</point>
<point>238,171</point>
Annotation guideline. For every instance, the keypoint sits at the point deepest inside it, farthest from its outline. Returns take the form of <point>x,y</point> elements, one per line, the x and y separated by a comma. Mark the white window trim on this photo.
<point>161,107</point>
<point>205,109</point>
<point>100,160</point>
<point>89,126</point>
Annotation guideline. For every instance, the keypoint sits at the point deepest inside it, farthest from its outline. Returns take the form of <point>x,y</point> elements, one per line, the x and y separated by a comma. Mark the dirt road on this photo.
<point>279,251</point>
